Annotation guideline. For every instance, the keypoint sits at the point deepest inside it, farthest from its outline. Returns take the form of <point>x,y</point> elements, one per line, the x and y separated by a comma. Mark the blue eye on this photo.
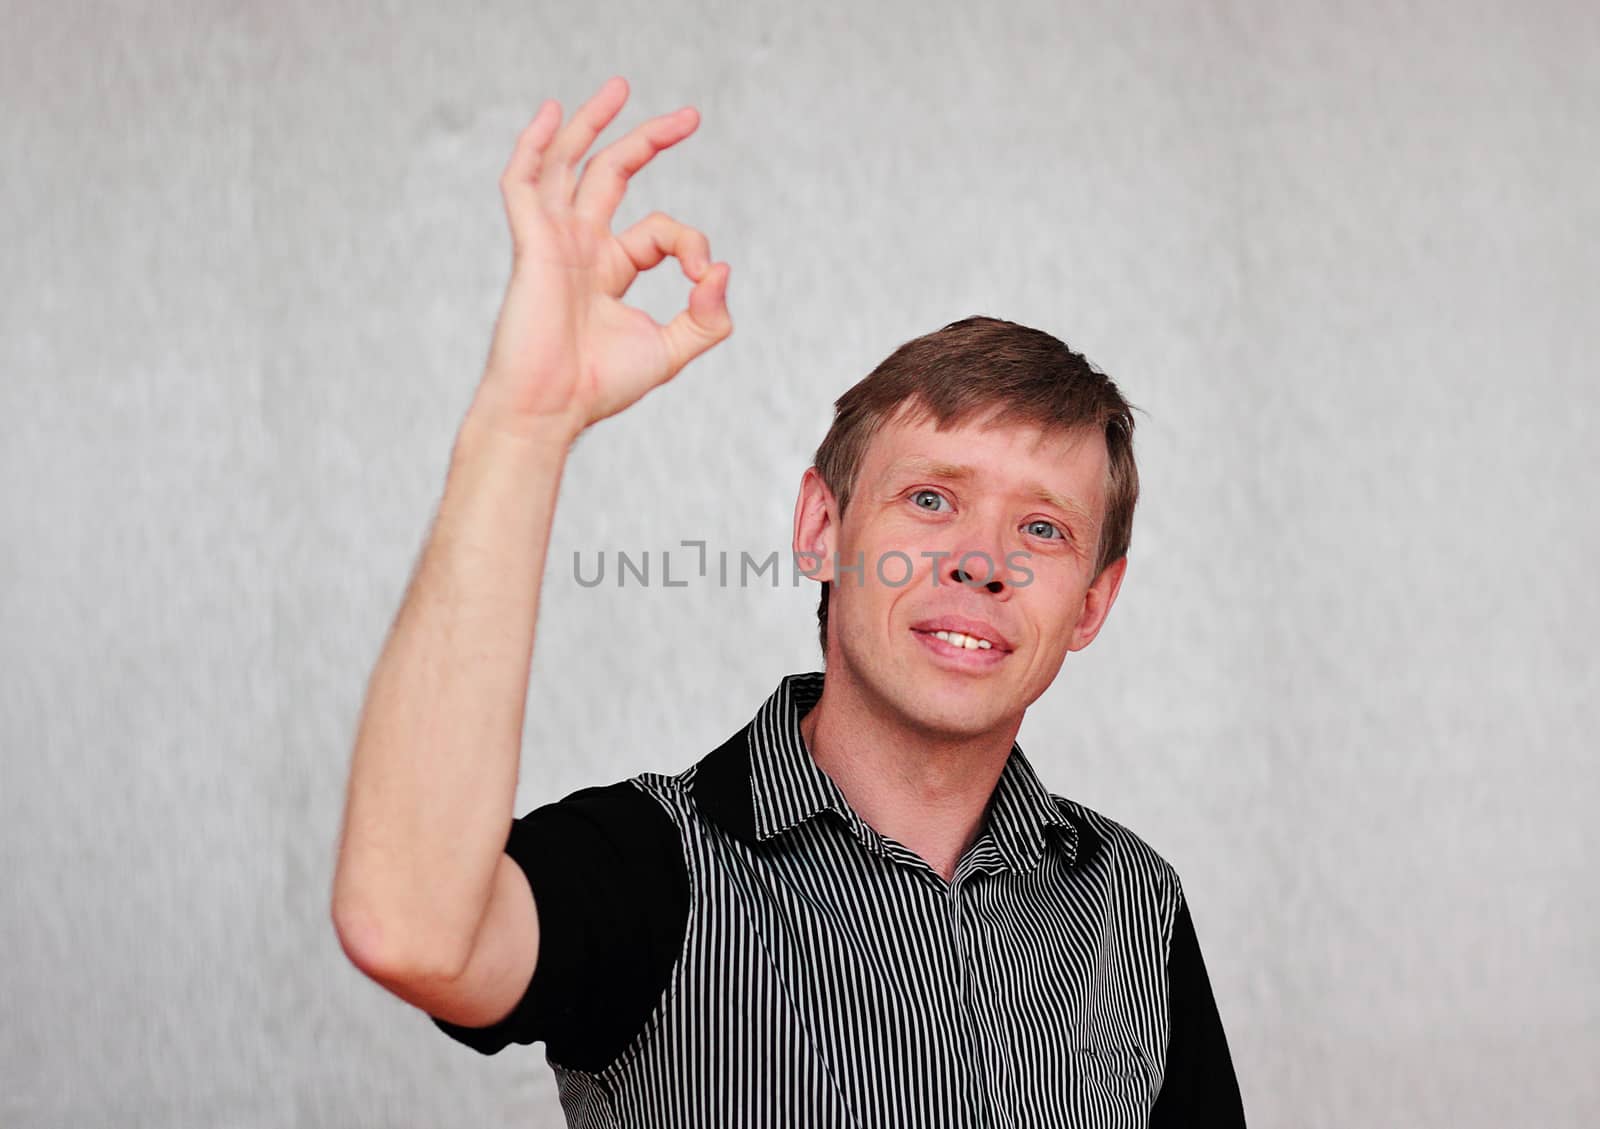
<point>918,496</point>
<point>1053,534</point>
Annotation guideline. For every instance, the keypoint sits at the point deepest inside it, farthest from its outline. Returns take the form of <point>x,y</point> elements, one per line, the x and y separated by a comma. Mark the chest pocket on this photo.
<point>1118,1073</point>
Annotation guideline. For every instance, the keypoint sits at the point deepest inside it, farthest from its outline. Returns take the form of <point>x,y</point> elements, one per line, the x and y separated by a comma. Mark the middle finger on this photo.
<point>570,143</point>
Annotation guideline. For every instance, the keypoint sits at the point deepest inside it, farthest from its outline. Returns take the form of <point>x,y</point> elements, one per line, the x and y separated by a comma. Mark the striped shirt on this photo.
<point>734,946</point>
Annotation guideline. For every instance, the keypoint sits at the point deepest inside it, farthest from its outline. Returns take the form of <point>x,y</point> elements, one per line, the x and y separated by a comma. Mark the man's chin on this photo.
<point>947,717</point>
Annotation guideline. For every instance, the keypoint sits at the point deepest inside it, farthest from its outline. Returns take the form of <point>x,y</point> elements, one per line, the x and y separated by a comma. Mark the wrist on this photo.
<point>486,441</point>
<point>554,433</point>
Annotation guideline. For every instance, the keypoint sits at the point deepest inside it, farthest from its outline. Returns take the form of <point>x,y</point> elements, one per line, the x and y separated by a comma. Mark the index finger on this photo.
<point>605,177</point>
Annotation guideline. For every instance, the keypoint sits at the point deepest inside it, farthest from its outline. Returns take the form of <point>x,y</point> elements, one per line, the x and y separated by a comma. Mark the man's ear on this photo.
<point>816,527</point>
<point>1097,603</point>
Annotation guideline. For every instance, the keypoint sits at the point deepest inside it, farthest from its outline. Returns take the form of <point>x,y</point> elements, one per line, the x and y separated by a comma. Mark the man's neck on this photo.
<point>926,792</point>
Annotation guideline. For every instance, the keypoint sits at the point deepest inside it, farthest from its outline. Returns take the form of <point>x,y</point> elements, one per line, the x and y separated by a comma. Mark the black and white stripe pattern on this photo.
<point>830,977</point>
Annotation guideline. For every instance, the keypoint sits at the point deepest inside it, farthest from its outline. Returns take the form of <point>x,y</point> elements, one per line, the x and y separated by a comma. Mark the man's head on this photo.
<point>991,417</point>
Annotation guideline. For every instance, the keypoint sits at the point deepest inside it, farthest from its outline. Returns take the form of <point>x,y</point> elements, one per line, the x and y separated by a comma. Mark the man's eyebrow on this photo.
<point>933,468</point>
<point>954,472</point>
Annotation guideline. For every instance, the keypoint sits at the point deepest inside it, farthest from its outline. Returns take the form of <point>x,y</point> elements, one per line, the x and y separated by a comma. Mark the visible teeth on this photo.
<point>957,639</point>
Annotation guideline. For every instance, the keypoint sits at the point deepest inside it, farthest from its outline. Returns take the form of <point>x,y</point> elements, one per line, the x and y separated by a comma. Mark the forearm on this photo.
<point>433,775</point>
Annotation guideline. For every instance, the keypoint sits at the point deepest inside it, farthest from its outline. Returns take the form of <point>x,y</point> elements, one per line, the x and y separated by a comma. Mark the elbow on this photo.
<point>360,937</point>
<point>386,953</point>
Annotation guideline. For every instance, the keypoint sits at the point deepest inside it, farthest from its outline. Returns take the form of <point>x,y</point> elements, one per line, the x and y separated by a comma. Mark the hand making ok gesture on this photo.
<point>566,350</point>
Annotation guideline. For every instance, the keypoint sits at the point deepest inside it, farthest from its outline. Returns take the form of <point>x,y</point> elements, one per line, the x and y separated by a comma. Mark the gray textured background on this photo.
<point>1344,257</point>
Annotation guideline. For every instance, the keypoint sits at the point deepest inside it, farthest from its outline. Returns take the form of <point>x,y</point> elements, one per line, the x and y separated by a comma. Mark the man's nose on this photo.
<point>980,549</point>
<point>978,573</point>
<point>978,562</point>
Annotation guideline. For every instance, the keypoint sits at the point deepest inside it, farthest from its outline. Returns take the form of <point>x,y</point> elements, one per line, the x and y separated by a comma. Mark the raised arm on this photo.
<point>424,899</point>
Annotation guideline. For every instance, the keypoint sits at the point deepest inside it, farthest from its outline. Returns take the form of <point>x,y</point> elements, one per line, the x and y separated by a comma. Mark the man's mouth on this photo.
<point>964,632</point>
<point>961,650</point>
<point>957,639</point>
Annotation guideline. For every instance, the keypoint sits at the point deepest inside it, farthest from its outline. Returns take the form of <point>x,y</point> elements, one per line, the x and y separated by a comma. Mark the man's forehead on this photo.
<point>921,445</point>
<point>914,420</point>
<point>1047,492</point>
<point>919,449</point>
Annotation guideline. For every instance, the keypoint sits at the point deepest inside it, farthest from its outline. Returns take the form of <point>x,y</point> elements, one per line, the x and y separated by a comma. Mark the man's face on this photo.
<point>1009,505</point>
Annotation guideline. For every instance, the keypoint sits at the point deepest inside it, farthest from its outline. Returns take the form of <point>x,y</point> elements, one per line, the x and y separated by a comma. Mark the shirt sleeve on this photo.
<point>607,871</point>
<point>1199,1088</point>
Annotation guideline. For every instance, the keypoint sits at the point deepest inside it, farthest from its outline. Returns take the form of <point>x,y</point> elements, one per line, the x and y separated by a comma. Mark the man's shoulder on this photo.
<point>1106,841</point>
<point>625,816</point>
<point>661,801</point>
<point>671,791</point>
<point>650,797</point>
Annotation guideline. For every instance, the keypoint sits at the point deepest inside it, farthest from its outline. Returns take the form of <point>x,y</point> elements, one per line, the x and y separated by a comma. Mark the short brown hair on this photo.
<point>971,368</point>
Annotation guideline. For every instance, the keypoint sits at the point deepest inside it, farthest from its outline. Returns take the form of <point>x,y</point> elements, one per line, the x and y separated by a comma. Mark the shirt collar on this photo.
<point>762,782</point>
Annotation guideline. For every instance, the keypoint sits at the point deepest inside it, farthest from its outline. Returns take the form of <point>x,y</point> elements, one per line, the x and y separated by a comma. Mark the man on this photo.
<point>863,908</point>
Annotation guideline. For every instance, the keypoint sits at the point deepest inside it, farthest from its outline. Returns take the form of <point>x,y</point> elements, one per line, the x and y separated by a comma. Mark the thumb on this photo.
<point>705,322</point>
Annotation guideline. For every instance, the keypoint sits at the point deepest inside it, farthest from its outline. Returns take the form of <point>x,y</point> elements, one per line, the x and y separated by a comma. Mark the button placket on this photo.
<point>993,1068</point>
<point>977,1091</point>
